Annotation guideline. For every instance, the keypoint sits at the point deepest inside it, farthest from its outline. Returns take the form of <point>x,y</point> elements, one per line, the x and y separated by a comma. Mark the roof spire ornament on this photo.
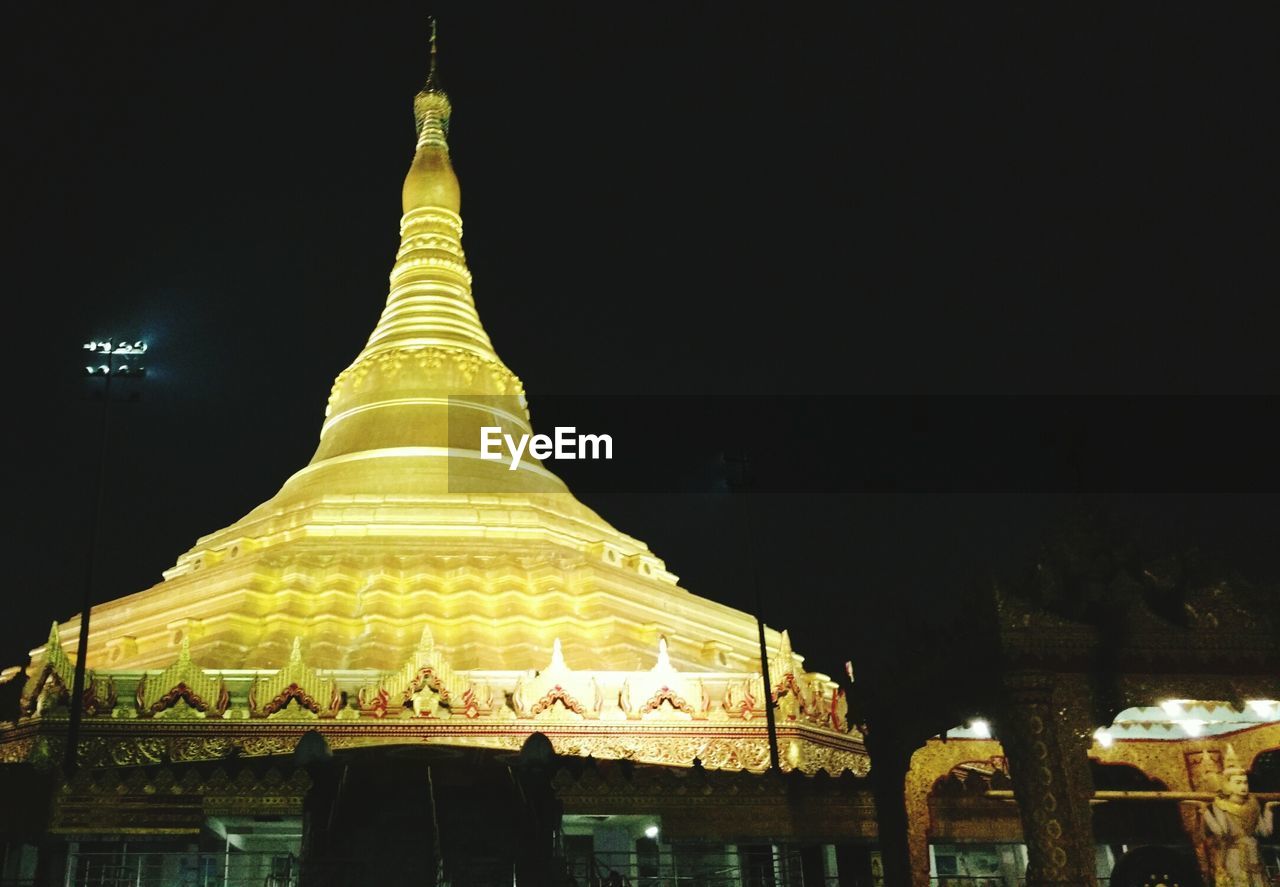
<point>432,84</point>
<point>557,656</point>
<point>431,106</point>
<point>664,658</point>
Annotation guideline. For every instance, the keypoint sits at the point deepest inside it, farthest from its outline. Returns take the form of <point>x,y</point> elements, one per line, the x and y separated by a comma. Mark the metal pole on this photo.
<point>82,648</point>
<point>770,722</point>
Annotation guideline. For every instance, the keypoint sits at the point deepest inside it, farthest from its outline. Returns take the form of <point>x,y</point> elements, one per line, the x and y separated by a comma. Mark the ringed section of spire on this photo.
<point>429,376</point>
<point>428,379</point>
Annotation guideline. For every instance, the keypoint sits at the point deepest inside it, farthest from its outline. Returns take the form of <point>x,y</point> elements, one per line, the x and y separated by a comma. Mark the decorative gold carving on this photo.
<point>1046,737</point>
<point>131,752</point>
<point>663,685</point>
<point>99,695</point>
<point>539,695</point>
<point>16,751</point>
<point>478,700</point>
<point>374,701</point>
<point>256,746</point>
<point>930,763</point>
<point>295,683</point>
<point>742,698</point>
<point>662,695</point>
<point>200,748</point>
<point>54,678</point>
<point>552,696</point>
<point>182,682</point>
<point>171,801</point>
<point>426,680</point>
<point>452,366</point>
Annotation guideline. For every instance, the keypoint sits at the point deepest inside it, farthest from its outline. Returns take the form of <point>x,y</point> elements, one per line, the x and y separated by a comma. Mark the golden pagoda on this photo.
<point>400,588</point>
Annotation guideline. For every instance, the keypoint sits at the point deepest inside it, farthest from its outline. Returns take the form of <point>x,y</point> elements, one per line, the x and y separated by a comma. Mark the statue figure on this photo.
<point>1232,824</point>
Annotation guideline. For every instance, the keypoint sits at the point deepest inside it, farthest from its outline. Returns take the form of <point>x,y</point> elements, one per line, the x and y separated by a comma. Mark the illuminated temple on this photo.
<point>414,665</point>
<point>400,591</point>
<point>400,588</point>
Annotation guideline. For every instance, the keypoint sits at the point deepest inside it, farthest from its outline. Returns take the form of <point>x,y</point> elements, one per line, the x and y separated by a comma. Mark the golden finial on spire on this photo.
<point>431,85</point>
<point>431,106</point>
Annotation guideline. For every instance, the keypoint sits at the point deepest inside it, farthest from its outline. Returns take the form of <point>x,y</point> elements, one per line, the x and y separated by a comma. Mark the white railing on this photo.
<point>667,870</point>
<point>139,868</point>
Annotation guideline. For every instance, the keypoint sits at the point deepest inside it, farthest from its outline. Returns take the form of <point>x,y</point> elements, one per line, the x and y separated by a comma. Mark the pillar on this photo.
<point>1046,731</point>
<point>889,763</point>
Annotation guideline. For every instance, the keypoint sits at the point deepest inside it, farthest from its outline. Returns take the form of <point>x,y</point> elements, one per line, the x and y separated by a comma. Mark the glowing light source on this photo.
<point>651,831</point>
<point>111,351</point>
<point>1265,708</point>
<point>1190,726</point>
<point>1173,707</point>
<point>1103,737</point>
<point>138,347</point>
<point>980,728</point>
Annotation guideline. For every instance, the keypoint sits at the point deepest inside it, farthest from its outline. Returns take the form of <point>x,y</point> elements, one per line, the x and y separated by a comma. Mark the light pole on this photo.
<point>107,361</point>
<point>743,483</point>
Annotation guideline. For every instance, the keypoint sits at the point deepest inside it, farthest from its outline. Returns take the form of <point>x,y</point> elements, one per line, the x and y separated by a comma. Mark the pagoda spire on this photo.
<point>432,84</point>
<point>428,374</point>
<point>431,107</point>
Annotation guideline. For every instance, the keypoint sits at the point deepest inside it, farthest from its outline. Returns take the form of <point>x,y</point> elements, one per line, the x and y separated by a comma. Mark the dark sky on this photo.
<point>666,205</point>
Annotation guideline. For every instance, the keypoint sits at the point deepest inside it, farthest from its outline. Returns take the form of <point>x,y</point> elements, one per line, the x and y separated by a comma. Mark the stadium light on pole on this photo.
<point>107,361</point>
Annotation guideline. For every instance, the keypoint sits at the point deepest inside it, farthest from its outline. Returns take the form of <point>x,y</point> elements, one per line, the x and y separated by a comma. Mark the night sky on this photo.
<point>705,229</point>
